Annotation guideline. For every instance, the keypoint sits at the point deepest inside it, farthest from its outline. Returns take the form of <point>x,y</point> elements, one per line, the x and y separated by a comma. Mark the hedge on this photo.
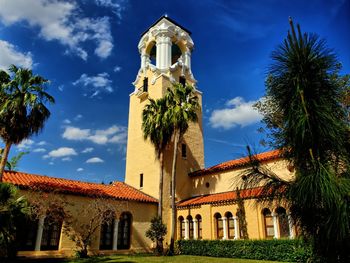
<point>280,250</point>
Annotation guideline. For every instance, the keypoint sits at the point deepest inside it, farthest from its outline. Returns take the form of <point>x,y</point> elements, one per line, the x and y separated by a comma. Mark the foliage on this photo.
<point>156,232</point>
<point>13,210</point>
<point>305,112</point>
<point>22,107</point>
<point>91,216</point>
<point>281,250</point>
<point>182,103</point>
<point>12,164</point>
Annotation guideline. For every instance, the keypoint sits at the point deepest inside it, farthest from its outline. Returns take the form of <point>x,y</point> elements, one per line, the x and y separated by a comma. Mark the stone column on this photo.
<point>224,223</point>
<point>186,229</point>
<point>195,228</point>
<point>144,60</point>
<point>187,59</point>
<point>235,223</point>
<point>163,51</point>
<point>275,224</point>
<point>115,235</point>
<point>39,233</point>
<point>291,227</point>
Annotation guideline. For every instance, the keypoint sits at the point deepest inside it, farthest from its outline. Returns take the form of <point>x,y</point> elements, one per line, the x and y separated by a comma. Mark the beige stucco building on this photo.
<point>207,201</point>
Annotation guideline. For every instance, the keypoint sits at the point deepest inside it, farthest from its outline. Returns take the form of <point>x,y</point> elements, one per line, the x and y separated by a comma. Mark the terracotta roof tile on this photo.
<point>219,197</point>
<point>117,190</point>
<point>265,156</point>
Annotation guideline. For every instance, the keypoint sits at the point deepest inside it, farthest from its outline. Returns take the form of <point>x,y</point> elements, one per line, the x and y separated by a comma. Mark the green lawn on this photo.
<point>151,259</point>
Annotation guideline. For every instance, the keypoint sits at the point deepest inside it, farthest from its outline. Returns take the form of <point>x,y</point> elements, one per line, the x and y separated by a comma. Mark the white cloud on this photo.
<point>61,21</point>
<point>114,134</point>
<point>66,159</point>
<point>41,143</point>
<point>117,6</point>
<point>117,69</point>
<point>61,152</point>
<point>97,84</point>
<point>9,54</point>
<point>25,144</point>
<point>67,121</point>
<point>95,160</point>
<point>238,113</point>
<point>80,169</point>
<point>87,150</point>
<point>39,150</point>
<point>51,163</point>
<point>60,87</point>
<point>73,133</point>
<point>78,117</point>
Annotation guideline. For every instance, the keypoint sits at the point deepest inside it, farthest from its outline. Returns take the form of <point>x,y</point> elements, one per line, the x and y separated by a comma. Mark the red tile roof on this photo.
<point>265,156</point>
<point>220,197</point>
<point>117,190</point>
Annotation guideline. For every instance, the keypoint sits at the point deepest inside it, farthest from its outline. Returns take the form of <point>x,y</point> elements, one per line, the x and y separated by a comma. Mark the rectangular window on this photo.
<point>182,81</point>
<point>141,180</point>
<point>183,150</point>
<point>145,85</point>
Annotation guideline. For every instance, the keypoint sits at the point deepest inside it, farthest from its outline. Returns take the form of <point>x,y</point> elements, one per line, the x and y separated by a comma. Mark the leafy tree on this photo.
<point>156,232</point>
<point>182,109</point>
<point>13,210</point>
<point>91,216</point>
<point>308,121</point>
<point>156,127</point>
<point>22,107</point>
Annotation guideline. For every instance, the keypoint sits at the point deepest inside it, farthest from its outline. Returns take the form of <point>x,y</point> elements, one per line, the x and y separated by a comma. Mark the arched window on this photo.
<point>190,227</point>
<point>268,223</point>
<point>51,233</point>
<point>199,226</point>
<point>107,229</point>
<point>181,227</point>
<point>124,231</point>
<point>219,226</point>
<point>283,222</point>
<point>230,225</point>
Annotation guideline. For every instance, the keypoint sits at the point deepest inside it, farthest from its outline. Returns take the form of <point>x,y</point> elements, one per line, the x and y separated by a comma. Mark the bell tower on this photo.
<point>165,50</point>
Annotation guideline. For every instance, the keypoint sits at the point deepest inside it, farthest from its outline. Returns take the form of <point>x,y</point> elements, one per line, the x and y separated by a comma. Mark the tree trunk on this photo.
<point>173,188</point>
<point>3,162</point>
<point>160,203</point>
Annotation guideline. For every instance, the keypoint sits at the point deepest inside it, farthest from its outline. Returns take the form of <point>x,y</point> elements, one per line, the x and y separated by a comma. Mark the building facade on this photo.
<point>209,206</point>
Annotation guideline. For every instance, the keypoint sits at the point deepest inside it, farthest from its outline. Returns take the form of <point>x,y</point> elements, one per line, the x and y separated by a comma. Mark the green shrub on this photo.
<point>279,250</point>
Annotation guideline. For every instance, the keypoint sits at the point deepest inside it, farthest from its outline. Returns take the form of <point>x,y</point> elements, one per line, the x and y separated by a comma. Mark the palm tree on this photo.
<point>182,109</point>
<point>156,127</point>
<point>309,124</point>
<point>22,107</point>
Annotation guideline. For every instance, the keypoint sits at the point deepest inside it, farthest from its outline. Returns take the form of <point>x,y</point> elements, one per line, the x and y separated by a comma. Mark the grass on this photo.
<point>151,259</point>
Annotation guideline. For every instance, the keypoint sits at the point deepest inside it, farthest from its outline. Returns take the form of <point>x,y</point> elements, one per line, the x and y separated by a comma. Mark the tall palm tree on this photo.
<point>310,124</point>
<point>22,107</point>
<point>156,127</point>
<point>182,109</point>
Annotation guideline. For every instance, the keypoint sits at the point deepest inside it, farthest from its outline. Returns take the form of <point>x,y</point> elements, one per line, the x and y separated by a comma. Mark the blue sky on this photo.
<point>88,51</point>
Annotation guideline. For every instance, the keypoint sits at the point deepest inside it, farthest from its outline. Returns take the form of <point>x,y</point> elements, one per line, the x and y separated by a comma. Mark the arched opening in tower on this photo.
<point>153,54</point>
<point>175,53</point>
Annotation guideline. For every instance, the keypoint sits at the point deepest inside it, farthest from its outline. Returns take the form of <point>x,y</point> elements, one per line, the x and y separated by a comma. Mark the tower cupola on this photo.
<point>165,47</point>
